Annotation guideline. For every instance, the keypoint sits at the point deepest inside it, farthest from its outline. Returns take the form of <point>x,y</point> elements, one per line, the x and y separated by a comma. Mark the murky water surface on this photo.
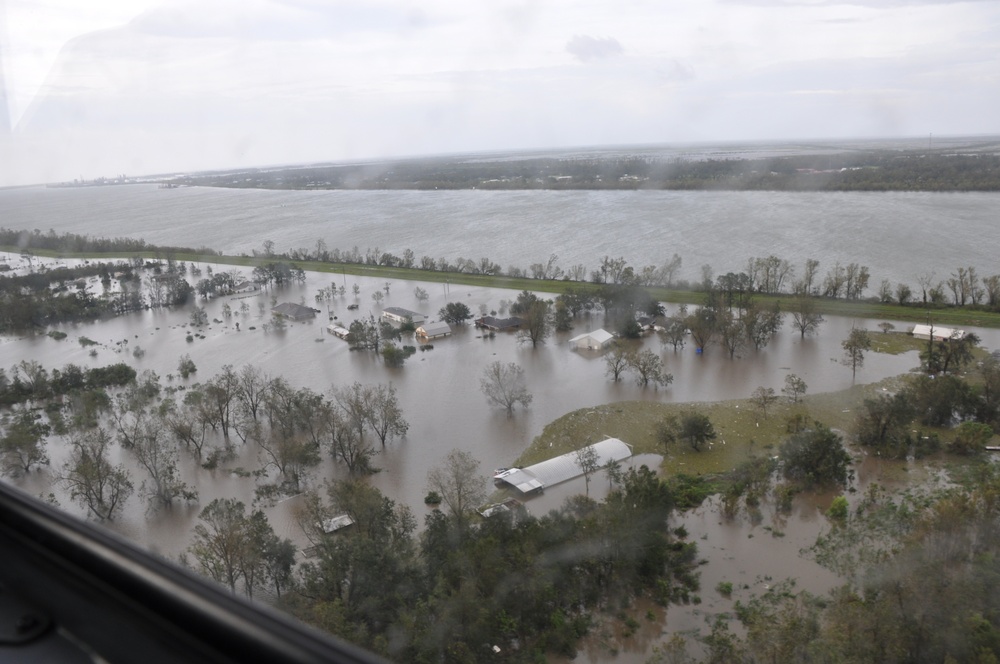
<point>439,389</point>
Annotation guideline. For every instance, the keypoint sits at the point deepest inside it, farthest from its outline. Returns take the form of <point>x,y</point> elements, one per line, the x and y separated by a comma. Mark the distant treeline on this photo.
<point>850,171</point>
<point>73,243</point>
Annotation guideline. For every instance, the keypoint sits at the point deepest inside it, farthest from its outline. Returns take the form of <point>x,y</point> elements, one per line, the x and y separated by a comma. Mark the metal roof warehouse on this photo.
<point>562,468</point>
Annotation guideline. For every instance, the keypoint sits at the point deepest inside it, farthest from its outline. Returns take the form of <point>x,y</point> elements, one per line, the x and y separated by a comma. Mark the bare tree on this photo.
<point>732,332</point>
<point>347,444</point>
<point>805,318</point>
<point>460,485</point>
<point>220,393</point>
<point>674,333</point>
<point>588,461</point>
<point>504,385</point>
<point>616,361</point>
<point>926,281</point>
<point>158,457</point>
<point>794,388</point>
<point>763,398</point>
<point>187,423</point>
<point>383,414</point>
<point>251,389</point>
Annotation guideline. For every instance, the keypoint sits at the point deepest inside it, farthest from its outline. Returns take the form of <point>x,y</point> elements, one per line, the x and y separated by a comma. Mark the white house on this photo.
<point>596,340</point>
<point>434,330</point>
<point>401,315</point>
<point>940,333</point>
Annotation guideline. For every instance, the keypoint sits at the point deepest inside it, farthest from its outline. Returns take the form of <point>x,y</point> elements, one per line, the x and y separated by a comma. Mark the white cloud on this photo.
<point>218,83</point>
<point>585,47</point>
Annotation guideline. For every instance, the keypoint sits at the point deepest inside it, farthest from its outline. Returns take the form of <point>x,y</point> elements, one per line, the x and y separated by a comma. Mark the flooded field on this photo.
<point>441,400</point>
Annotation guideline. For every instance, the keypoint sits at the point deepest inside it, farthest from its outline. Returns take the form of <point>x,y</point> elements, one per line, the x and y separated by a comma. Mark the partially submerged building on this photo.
<point>561,468</point>
<point>338,330</point>
<point>596,340</point>
<point>434,330</point>
<point>495,324</point>
<point>295,312</point>
<point>401,315</point>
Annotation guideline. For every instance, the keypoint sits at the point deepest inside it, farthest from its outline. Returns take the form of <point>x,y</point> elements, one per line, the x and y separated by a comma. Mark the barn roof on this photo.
<point>562,468</point>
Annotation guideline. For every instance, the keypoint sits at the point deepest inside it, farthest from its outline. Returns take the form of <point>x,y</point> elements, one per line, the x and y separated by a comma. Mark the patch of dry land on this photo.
<point>742,430</point>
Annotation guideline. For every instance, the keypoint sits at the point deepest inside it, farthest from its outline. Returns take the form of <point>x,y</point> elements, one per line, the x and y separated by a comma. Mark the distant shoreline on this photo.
<point>966,166</point>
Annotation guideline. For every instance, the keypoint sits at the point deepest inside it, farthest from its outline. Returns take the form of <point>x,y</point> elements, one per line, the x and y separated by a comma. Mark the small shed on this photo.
<point>596,340</point>
<point>293,311</point>
<point>939,333</point>
<point>401,315</point>
<point>434,330</point>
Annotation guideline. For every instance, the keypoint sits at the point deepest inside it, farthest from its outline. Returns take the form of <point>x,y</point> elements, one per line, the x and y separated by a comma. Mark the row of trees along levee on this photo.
<point>31,300</point>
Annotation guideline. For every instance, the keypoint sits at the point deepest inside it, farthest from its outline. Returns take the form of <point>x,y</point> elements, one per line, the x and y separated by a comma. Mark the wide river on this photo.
<point>899,236</point>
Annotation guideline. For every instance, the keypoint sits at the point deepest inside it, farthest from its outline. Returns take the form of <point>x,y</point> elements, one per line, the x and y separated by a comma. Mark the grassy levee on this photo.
<point>948,316</point>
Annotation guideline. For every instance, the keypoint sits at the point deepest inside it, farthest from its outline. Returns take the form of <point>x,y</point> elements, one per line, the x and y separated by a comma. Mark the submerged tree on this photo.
<point>648,368</point>
<point>158,456</point>
<point>537,325</point>
<point>22,447</point>
<point>805,318</point>
<point>504,385</point>
<point>97,485</point>
<point>616,361</point>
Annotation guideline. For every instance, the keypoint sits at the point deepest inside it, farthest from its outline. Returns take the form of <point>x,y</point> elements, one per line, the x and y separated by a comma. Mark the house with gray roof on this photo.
<point>294,312</point>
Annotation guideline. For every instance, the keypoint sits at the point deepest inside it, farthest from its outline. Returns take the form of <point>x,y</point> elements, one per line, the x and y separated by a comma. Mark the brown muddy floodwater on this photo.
<point>439,393</point>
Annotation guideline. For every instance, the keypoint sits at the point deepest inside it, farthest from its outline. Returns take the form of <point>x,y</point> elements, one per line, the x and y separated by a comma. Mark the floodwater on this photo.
<point>438,389</point>
<point>440,397</point>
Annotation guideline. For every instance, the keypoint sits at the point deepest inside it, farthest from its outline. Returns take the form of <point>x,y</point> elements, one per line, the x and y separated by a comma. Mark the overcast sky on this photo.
<point>102,87</point>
